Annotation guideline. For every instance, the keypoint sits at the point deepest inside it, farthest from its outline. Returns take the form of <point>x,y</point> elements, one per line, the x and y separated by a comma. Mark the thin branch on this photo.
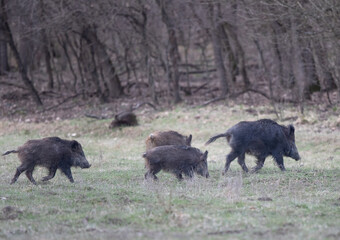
<point>60,103</point>
<point>212,101</point>
<point>12,85</point>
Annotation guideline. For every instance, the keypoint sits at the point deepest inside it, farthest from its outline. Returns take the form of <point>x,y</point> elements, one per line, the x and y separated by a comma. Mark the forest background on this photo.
<point>67,54</point>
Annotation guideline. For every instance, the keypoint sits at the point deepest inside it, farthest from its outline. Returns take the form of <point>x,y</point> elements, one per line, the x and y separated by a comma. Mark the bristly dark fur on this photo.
<point>162,138</point>
<point>53,153</point>
<point>124,119</point>
<point>261,139</point>
<point>176,159</point>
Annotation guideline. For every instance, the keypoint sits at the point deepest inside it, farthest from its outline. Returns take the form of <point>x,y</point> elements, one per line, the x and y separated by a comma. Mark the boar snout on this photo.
<point>86,166</point>
<point>294,153</point>
<point>81,162</point>
<point>297,158</point>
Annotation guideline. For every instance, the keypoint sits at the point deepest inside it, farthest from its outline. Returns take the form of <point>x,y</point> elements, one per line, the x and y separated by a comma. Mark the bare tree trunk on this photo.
<point>269,77</point>
<point>312,83</point>
<point>240,52</point>
<point>46,49</point>
<point>21,66</point>
<point>232,61</point>
<point>47,60</point>
<point>3,52</point>
<point>323,72</point>
<point>64,46</point>
<point>173,47</point>
<point>147,55</point>
<point>217,47</point>
<point>277,53</point>
<point>78,58</point>
<point>90,66</point>
<point>298,70</point>
<point>113,84</point>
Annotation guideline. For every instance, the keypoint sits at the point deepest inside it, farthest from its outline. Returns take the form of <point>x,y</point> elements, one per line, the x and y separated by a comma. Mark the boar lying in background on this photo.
<point>176,159</point>
<point>52,153</point>
<point>261,139</point>
<point>162,138</point>
<point>124,119</point>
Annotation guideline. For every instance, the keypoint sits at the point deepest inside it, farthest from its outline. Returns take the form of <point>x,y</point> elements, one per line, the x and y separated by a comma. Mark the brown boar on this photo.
<point>124,119</point>
<point>162,138</point>
<point>52,153</point>
<point>176,159</point>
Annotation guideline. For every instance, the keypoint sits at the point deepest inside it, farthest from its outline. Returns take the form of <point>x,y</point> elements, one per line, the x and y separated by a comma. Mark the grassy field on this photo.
<point>111,200</point>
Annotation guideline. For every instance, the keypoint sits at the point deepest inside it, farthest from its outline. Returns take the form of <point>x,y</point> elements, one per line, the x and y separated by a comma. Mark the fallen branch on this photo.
<point>12,85</point>
<point>198,72</point>
<point>142,104</point>
<point>130,110</point>
<point>62,102</point>
<point>200,87</point>
<point>212,101</point>
<point>96,117</point>
<point>251,90</point>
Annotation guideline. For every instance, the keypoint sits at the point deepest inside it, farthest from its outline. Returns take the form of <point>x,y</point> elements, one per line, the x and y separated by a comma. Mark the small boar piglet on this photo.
<point>162,138</point>
<point>52,153</point>
<point>261,139</point>
<point>177,160</point>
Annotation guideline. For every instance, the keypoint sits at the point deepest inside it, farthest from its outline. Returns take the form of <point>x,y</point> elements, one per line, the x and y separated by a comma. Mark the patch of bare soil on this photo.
<point>10,213</point>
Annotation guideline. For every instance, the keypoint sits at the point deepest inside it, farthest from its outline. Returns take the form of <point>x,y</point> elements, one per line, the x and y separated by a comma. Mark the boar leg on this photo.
<point>29,175</point>
<point>68,173</point>
<point>259,164</point>
<point>230,157</point>
<point>23,167</point>
<point>279,160</point>
<point>240,161</point>
<point>189,172</point>
<point>50,175</point>
<point>152,172</point>
<point>178,175</point>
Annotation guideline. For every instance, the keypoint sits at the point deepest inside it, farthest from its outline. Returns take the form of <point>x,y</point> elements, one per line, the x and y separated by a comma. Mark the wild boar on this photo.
<point>124,119</point>
<point>261,139</point>
<point>176,159</point>
<point>52,153</point>
<point>162,138</point>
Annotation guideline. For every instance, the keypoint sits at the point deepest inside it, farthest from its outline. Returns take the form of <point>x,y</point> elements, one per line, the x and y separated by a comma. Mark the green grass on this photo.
<point>111,200</point>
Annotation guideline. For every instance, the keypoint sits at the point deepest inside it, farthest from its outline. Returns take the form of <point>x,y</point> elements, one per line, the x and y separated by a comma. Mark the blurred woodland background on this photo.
<point>167,51</point>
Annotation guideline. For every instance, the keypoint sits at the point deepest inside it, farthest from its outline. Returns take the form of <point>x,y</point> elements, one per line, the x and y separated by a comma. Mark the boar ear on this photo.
<point>75,145</point>
<point>291,129</point>
<point>205,156</point>
<point>189,140</point>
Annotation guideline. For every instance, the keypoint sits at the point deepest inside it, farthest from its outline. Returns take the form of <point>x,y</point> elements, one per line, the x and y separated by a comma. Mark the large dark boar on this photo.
<point>52,153</point>
<point>162,138</point>
<point>177,160</point>
<point>261,139</point>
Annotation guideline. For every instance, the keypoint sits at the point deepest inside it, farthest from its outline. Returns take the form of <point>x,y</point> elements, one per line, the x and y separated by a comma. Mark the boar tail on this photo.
<point>8,152</point>
<point>217,136</point>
